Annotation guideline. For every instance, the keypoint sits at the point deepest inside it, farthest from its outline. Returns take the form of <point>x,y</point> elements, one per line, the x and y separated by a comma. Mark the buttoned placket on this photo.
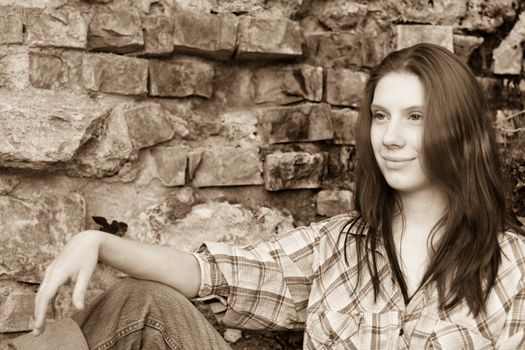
<point>412,312</point>
<point>406,312</point>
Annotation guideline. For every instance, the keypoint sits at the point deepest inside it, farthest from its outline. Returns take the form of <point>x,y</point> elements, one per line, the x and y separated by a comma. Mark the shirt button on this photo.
<point>401,331</point>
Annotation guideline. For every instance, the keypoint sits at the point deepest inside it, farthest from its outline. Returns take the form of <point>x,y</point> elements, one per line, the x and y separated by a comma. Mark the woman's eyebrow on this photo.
<point>407,109</point>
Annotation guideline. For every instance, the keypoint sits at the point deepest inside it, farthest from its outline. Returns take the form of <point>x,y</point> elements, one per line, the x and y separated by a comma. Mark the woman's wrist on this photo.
<point>93,239</point>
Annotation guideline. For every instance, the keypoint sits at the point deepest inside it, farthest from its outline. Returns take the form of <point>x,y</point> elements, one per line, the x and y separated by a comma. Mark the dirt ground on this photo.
<point>269,341</point>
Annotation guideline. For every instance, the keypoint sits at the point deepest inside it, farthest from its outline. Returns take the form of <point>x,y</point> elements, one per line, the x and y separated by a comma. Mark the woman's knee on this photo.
<point>133,298</point>
<point>158,303</point>
<point>139,291</point>
<point>151,307</point>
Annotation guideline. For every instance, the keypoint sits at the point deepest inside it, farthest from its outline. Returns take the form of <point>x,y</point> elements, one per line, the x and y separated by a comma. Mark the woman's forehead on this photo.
<point>399,90</point>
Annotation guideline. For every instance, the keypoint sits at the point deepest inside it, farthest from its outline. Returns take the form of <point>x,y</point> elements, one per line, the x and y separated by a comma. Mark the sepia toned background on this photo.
<point>208,120</point>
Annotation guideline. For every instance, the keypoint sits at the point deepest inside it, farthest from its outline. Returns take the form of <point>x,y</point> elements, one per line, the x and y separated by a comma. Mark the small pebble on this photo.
<point>232,335</point>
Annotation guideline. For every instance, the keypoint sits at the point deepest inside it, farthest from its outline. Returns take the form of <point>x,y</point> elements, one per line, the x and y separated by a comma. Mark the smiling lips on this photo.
<point>396,159</point>
<point>395,162</point>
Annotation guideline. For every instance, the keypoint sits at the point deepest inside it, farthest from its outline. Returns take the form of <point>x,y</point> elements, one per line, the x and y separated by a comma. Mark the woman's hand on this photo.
<point>76,262</point>
<point>78,259</point>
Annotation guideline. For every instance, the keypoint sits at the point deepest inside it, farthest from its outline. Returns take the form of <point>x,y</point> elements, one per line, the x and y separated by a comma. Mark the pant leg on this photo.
<point>136,314</point>
<point>132,314</point>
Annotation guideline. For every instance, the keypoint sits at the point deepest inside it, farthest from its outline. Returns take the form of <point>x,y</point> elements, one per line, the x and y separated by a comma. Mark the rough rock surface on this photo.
<point>11,25</point>
<point>260,8</point>
<point>264,38</point>
<point>119,32</point>
<point>344,86</point>
<point>340,167</point>
<point>65,27</point>
<point>158,35</point>
<point>56,69</point>
<point>181,77</point>
<point>228,166</point>
<point>43,224</point>
<point>309,122</point>
<point>334,202</point>
<point>342,15</point>
<point>41,129</point>
<point>285,85</point>
<point>344,122</point>
<point>348,49</point>
<point>171,164</point>
<point>464,45</point>
<point>8,182</point>
<point>168,224</point>
<point>422,11</point>
<point>14,68</point>
<point>148,124</point>
<point>209,35</point>
<point>487,15</point>
<point>115,74</point>
<point>509,54</point>
<point>408,35</point>
<point>106,153</point>
<point>15,312</point>
<point>293,170</point>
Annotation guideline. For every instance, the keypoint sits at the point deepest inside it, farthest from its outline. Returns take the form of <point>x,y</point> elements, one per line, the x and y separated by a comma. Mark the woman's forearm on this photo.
<point>78,260</point>
<point>171,266</point>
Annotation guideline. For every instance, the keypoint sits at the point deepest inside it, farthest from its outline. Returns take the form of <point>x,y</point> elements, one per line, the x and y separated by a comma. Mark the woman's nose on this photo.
<point>393,135</point>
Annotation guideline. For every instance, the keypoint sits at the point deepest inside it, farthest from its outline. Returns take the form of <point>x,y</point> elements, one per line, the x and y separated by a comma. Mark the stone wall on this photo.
<point>211,119</point>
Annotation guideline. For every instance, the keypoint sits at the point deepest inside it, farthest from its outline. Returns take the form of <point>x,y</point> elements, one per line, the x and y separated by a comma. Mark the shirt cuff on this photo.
<point>213,290</point>
<point>204,265</point>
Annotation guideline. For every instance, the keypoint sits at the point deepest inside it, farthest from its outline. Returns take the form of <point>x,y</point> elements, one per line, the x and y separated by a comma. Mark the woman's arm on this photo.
<point>78,260</point>
<point>173,267</point>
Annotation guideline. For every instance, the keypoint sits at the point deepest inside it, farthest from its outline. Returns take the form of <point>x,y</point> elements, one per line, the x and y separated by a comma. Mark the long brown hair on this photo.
<point>460,156</point>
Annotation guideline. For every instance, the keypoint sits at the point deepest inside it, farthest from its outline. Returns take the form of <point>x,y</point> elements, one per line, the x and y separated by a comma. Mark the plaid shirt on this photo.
<point>300,280</point>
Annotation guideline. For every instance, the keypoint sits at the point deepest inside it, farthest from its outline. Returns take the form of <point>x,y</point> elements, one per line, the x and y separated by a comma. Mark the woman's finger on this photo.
<point>82,281</point>
<point>39,325</point>
<point>42,301</point>
<point>46,293</point>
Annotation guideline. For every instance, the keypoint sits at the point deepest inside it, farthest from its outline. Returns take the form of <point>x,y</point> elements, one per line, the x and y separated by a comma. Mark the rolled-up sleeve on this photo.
<point>263,286</point>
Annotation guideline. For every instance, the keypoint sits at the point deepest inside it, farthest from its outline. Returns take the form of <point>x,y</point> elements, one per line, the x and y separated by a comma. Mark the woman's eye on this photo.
<point>379,116</point>
<point>415,116</point>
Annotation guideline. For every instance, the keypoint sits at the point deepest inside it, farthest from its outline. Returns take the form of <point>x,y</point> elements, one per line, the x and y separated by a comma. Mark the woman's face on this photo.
<point>396,131</point>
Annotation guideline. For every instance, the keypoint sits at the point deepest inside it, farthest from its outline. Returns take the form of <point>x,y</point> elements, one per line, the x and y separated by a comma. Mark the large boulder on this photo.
<point>40,129</point>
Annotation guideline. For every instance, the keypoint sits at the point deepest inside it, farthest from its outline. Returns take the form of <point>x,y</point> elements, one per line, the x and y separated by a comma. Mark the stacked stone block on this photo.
<point>218,120</point>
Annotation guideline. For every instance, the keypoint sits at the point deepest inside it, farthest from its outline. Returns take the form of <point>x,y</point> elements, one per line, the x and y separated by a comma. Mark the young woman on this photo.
<point>427,260</point>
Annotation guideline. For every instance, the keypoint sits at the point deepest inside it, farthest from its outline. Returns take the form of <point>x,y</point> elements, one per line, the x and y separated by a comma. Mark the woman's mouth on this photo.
<point>396,162</point>
<point>398,159</point>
